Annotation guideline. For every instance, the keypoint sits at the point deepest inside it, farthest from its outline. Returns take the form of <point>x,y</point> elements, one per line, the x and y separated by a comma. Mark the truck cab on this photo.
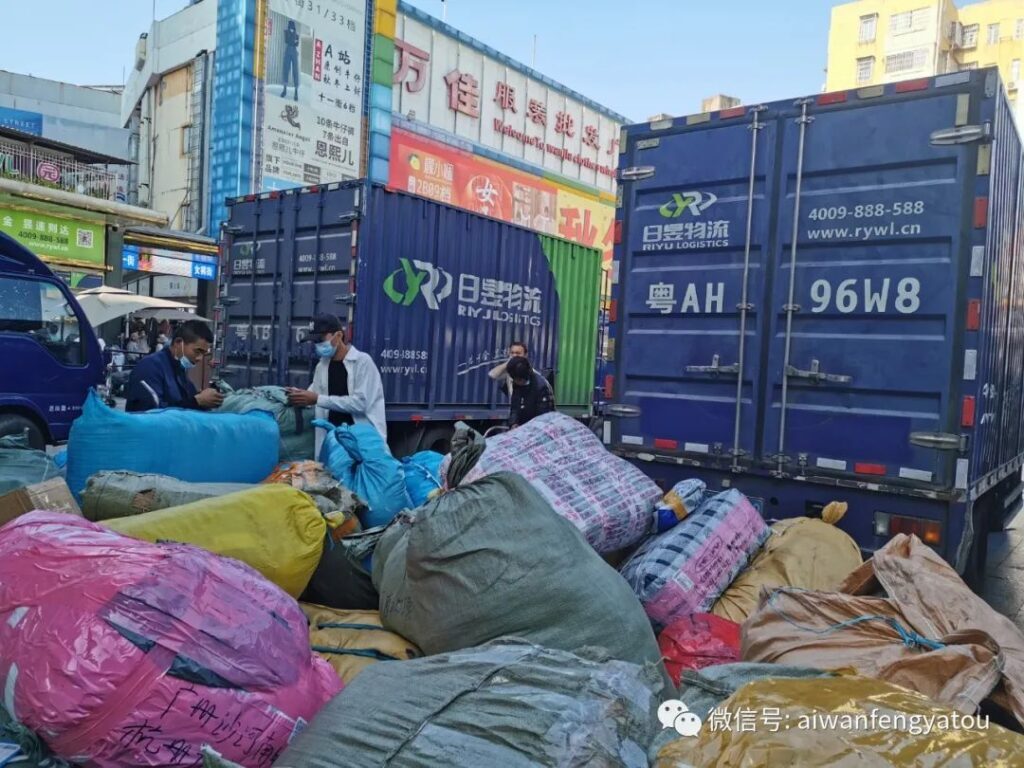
<point>50,355</point>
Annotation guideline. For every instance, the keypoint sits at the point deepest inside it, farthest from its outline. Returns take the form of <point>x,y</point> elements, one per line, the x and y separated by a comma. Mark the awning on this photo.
<point>106,303</point>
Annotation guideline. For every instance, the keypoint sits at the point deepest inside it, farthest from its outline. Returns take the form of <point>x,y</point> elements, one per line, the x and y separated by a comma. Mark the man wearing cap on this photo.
<point>531,393</point>
<point>346,386</point>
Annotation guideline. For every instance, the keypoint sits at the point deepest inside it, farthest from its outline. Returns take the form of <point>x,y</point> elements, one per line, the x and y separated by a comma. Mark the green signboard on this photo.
<point>56,236</point>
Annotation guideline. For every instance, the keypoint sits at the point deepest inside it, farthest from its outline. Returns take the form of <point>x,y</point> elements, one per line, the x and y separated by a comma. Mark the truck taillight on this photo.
<point>967,411</point>
<point>974,314</point>
<point>609,386</point>
<point>617,233</point>
<point>928,531</point>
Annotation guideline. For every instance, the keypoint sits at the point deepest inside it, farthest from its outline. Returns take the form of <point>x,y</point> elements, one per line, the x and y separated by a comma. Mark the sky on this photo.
<point>637,57</point>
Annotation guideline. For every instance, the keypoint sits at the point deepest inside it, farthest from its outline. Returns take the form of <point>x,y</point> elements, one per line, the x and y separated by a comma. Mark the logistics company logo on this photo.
<point>420,278</point>
<point>675,714</point>
<point>694,202</point>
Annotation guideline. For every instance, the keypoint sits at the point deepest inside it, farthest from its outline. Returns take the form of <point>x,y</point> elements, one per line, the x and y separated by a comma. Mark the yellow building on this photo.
<point>882,41</point>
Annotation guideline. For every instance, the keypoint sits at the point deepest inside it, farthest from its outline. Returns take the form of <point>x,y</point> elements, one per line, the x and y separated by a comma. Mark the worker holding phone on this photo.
<point>347,387</point>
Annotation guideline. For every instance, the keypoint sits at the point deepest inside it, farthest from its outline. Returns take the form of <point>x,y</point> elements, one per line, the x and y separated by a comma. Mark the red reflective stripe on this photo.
<point>913,85</point>
<point>613,310</point>
<point>617,233</point>
<point>668,445</point>
<point>416,417</point>
<point>869,469</point>
<point>314,189</point>
<point>832,98</point>
<point>609,386</point>
<point>980,212</point>
<point>967,412</point>
<point>973,314</point>
<point>727,114</point>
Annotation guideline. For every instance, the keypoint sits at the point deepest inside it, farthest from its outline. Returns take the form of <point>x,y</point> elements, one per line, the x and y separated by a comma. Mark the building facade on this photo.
<point>882,41</point>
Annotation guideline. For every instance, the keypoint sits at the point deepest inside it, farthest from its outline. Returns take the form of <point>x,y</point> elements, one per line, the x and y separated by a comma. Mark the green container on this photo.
<point>577,271</point>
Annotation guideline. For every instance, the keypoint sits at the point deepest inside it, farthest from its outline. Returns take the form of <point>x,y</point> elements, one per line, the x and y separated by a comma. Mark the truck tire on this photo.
<point>16,424</point>
<point>977,561</point>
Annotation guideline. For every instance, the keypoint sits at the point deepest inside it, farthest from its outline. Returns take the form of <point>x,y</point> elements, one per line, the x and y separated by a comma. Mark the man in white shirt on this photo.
<point>347,387</point>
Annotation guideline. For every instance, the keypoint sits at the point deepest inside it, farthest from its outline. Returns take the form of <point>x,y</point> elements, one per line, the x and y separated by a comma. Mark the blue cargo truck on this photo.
<point>824,299</point>
<point>434,294</point>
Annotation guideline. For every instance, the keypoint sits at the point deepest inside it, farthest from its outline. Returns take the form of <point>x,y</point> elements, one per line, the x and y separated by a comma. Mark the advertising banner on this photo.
<point>311,67</point>
<point>165,262</point>
<point>440,172</point>
<point>448,83</point>
<point>51,235</point>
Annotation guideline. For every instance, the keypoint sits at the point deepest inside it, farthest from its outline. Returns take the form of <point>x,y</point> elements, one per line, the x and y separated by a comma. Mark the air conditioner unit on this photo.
<point>956,34</point>
<point>140,52</point>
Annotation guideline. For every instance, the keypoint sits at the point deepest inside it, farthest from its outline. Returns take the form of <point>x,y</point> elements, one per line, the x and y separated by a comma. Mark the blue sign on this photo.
<point>161,262</point>
<point>130,257</point>
<point>20,120</point>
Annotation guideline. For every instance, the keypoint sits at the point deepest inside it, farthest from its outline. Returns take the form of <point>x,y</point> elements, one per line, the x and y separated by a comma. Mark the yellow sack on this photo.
<point>840,722</point>
<point>275,529</point>
<point>350,641</point>
<point>802,552</point>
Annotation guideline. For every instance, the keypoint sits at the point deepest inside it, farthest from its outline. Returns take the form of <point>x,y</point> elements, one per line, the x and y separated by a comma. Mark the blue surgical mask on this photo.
<point>186,364</point>
<point>325,349</point>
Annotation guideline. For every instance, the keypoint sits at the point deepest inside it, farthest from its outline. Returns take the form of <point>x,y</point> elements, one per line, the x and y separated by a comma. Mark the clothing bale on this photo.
<point>295,424</point>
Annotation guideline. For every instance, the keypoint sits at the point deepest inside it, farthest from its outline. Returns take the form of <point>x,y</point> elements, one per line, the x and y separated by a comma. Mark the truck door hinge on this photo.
<point>966,134</point>
<point>715,368</point>
<point>636,173</point>
<point>815,374</point>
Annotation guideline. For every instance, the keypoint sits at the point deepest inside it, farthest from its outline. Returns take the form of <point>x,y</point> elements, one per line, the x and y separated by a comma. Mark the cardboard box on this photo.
<point>53,495</point>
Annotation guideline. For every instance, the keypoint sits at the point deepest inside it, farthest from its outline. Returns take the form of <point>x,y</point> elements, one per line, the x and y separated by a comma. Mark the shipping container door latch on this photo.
<point>636,173</point>
<point>817,375</point>
<point>716,368</point>
<point>965,134</point>
<point>940,441</point>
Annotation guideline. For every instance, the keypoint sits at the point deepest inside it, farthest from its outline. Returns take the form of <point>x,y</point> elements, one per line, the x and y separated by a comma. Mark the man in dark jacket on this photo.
<point>161,379</point>
<point>531,393</point>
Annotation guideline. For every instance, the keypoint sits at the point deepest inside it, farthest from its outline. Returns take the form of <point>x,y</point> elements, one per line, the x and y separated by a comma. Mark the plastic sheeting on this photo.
<point>273,528</point>
<point>491,559</point>
<point>684,570</point>
<point>123,653</point>
<point>109,495</point>
<point>422,475</point>
<point>506,704</point>
<point>350,641</point>
<point>20,465</point>
<point>358,456</point>
<point>699,641</point>
<point>801,552</point>
<point>684,498</point>
<point>189,445</point>
<point>608,499</point>
<point>298,438</point>
<point>842,722</point>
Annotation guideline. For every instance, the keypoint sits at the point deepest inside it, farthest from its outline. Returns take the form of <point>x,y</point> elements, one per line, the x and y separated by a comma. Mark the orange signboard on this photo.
<point>453,176</point>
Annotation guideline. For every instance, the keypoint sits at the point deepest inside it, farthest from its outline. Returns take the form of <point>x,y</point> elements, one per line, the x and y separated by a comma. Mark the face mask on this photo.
<point>325,349</point>
<point>183,361</point>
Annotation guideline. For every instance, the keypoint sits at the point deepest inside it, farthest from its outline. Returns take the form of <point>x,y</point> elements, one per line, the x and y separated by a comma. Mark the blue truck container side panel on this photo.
<point>441,295</point>
<point>903,317</point>
<point>438,296</point>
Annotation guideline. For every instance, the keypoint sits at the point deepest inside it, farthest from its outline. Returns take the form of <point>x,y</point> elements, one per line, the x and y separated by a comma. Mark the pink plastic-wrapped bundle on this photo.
<point>118,652</point>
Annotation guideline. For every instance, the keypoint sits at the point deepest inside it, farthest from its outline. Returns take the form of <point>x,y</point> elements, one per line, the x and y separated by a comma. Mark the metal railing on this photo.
<point>46,168</point>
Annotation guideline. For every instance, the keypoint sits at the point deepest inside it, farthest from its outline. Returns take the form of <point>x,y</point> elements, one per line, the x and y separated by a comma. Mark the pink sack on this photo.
<point>118,652</point>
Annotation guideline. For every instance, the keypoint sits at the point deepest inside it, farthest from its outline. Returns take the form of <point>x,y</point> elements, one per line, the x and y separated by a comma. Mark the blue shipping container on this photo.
<point>821,300</point>
<point>441,294</point>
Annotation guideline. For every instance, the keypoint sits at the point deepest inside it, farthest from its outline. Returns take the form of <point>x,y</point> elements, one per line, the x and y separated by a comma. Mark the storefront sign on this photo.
<point>20,120</point>
<point>449,84</point>
<point>311,67</point>
<point>449,175</point>
<point>56,235</point>
<point>164,262</point>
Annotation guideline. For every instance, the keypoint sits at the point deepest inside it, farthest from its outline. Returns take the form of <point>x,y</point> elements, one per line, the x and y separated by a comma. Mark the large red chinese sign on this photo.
<point>449,175</point>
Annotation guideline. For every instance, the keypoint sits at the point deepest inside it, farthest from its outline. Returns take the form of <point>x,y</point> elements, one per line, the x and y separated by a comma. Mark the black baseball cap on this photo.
<point>321,325</point>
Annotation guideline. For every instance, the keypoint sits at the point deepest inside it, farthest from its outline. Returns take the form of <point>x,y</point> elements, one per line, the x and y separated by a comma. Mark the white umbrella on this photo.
<point>169,313</point>
<point>107,303</point>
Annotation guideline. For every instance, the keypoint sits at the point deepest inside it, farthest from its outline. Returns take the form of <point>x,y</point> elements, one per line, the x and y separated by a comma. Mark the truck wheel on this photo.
<point>977,561</point>
<point>15,424</point>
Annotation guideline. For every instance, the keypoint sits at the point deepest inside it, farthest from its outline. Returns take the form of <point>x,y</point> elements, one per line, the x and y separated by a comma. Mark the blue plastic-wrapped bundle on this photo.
<point>358,456</point>
<point>422,475</point>
<point>189,445</point>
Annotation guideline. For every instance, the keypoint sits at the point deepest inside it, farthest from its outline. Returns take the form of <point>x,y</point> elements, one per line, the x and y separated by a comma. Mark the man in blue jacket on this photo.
<point>161,379</point>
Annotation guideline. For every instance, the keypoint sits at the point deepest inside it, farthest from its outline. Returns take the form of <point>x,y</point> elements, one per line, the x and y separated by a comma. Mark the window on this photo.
<point>865,69</point>
<point>909,21</point>
<point>905,61</point>
<point>186,139</point>
<point>993,34</point>
<point>1015,71</point>
<point>39,311</point>
<point>868,28</point>
<point>1018,33</point>
<point>971,35</point>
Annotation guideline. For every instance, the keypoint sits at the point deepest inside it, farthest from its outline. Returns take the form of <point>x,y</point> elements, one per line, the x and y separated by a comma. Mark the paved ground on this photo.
<point>1004,587</point>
